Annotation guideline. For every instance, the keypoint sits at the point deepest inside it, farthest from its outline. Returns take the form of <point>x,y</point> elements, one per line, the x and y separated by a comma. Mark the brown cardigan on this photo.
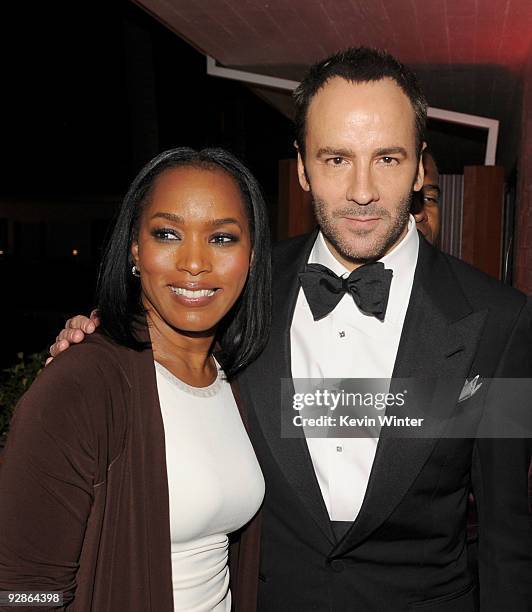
<point>84,491</point>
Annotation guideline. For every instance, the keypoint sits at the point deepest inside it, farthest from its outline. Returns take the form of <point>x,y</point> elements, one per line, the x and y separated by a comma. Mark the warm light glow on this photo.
<point>74,252</point>
<point>1,252</point>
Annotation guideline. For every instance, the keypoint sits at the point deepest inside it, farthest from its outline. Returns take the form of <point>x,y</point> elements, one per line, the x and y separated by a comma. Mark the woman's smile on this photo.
<point>193,297</point>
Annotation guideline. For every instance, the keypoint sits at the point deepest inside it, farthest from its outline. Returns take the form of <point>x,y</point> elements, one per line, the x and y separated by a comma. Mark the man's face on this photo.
<point>427,214</point>
<point>361,166</point>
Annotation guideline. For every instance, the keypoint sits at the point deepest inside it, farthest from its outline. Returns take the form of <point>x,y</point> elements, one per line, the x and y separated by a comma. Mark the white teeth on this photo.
<point>192,294</point>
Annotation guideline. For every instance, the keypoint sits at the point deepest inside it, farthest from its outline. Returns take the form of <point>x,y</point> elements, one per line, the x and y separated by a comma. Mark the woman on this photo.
<point>127,463</point>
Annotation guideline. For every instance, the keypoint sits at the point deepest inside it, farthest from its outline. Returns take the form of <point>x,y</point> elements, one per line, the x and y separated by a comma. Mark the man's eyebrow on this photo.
<point>333,152</point>
<point>435,187</point>
<point>179,220</point>
<point>390,151</point>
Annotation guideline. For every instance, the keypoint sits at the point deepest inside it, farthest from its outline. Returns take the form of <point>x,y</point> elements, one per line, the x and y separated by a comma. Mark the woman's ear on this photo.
<point>135,252</point>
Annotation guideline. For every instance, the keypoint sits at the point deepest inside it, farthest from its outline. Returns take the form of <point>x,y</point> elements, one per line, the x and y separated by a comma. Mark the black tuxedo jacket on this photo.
<point>406,550</point>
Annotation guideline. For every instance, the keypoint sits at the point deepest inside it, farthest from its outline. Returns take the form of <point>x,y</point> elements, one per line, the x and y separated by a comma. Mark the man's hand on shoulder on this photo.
<point>73,333</point>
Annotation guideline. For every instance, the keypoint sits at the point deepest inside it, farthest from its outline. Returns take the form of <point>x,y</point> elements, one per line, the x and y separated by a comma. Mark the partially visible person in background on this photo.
<point>128,463</point>
<point>426,202</point>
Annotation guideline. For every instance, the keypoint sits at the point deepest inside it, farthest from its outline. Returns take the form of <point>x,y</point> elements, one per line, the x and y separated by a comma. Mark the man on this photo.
<point>426,202</point>
<point>359,523</point>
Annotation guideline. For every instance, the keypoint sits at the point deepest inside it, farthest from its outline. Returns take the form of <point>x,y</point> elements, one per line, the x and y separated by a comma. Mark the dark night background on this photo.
<point>90,93</point>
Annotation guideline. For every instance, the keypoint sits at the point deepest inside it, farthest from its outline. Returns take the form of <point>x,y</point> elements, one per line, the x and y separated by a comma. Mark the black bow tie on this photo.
<point>369,285</point>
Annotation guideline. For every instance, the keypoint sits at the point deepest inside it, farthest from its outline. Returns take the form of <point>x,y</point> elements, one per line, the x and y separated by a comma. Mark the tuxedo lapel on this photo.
<point>439,340</point>
<point>291,454</point>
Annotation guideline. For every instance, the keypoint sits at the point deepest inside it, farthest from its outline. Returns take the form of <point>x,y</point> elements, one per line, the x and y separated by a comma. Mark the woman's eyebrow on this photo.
<point>179,219</point>
<point>168,217</point>
<point>225,221</point>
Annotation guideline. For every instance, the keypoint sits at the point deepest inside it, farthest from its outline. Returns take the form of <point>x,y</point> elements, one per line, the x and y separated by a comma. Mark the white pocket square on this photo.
<point>470,388</point>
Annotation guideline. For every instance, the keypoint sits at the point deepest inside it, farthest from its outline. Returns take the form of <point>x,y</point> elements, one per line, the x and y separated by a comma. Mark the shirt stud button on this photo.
<point>341,334</point>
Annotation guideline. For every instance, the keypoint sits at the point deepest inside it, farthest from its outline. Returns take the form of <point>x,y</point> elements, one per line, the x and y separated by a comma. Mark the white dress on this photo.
<point>215,486</point>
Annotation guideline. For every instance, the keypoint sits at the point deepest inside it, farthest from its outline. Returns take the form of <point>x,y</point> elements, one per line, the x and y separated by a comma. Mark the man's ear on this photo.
<point>301,174</point>
<point>418,184</point>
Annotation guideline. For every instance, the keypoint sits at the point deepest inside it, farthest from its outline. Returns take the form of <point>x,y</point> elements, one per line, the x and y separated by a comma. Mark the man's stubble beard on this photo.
<point>348,250</point>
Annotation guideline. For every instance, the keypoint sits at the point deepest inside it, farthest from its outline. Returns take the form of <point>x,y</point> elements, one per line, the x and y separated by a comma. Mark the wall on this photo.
<point>523,251</point>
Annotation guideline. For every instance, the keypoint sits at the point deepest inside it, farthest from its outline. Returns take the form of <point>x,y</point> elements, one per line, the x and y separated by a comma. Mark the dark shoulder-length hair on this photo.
<point>243,332</point>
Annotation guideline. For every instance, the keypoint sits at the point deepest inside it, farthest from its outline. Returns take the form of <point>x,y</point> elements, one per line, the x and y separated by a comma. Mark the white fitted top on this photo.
<point>215,486</point>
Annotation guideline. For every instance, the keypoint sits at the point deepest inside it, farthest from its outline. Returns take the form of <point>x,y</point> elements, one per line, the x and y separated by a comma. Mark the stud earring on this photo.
<point>135,271</point>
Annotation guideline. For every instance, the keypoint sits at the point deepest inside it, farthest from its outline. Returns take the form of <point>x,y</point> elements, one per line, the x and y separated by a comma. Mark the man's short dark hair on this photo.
<point>359,65</point>
<point>243,332</point>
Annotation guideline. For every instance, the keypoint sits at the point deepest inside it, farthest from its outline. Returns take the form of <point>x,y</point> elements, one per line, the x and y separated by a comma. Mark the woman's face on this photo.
<point>193,249</point>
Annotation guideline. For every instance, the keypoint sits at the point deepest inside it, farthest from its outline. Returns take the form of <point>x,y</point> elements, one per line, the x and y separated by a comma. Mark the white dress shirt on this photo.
<point>350,344</point>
